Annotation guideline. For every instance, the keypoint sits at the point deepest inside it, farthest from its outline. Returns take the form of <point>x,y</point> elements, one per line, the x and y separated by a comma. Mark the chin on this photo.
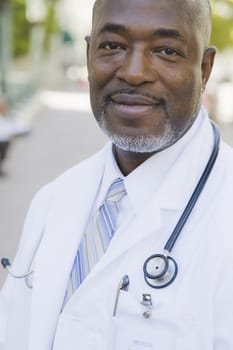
<point>144,143</point>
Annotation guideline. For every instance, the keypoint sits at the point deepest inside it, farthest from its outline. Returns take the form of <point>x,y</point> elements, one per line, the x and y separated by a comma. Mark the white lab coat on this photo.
<point>194,312</point>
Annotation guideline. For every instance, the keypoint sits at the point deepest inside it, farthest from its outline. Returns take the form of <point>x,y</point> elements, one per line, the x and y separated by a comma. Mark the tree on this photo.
<point>51,25</point>
<point>222,34</point>
<point>22,27</point>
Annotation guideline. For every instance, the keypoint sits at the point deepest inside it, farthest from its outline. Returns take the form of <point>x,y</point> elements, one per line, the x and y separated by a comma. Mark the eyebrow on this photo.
<point>168,33</point>
<point>159,32</point>
<point>113,27</point>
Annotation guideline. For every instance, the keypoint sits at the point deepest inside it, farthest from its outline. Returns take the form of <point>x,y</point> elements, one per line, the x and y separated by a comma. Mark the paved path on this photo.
<point>62,135</point>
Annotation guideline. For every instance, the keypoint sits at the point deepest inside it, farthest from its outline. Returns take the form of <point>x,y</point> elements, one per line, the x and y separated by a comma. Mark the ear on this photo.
<point>207,65</point>
<point>87,39</point>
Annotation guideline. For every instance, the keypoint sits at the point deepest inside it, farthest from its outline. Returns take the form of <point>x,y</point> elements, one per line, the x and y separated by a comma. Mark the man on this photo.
<point>148,63</point>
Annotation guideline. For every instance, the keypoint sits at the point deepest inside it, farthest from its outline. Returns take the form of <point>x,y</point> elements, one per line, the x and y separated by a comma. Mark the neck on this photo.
<point>129,161</point>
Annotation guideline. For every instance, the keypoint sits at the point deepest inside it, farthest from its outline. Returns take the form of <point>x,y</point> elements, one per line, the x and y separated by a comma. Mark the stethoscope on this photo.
<point>160,270</point>
<point>7,265</point>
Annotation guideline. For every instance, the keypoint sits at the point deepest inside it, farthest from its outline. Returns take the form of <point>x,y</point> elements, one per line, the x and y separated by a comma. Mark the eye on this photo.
<point>111,46</point>
<point>169,52</point>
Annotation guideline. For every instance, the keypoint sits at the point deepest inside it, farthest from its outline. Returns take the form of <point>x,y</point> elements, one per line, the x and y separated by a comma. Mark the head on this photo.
<point>148,64</point>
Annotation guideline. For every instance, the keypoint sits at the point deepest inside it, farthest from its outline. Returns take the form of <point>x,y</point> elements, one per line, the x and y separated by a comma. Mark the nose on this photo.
<point>136,68</point>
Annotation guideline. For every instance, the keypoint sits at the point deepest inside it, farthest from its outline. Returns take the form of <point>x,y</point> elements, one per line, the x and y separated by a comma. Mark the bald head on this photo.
<point>200,11</point>
<point>196,10</point>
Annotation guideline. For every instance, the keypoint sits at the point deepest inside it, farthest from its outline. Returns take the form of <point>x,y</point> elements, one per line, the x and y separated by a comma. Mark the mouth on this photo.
<point>133,104</point>
<point>134,100</point>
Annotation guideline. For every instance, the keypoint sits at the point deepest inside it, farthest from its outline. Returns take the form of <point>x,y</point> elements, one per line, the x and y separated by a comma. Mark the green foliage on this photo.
<point>51,26</point>
<point>222,34</point>
<point>20,28</point>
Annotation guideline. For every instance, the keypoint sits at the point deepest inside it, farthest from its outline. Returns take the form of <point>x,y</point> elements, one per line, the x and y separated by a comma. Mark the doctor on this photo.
<point>88,234</point>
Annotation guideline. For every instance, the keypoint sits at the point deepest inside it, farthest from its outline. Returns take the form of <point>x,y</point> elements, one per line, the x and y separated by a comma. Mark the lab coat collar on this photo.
<point>181,181</point>
<point>153,171</point>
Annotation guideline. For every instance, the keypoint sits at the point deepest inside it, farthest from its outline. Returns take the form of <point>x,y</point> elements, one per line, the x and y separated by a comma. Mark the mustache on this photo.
<point>108,97</point>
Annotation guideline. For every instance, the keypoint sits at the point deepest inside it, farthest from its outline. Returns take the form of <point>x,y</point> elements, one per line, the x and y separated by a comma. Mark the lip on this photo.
<point>133,100</point>
<point>132,105</point>
<point>131,110</point>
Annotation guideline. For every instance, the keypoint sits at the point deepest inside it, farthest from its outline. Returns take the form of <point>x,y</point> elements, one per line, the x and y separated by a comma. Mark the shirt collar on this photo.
<point>111,173</point>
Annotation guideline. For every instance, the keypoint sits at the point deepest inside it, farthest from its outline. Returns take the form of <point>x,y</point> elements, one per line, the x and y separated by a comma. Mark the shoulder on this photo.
<point>82,171</point>
<point>226,151</point>
<point>225,162</point>
<point>222,198</point>
<point>223,176</point>
<point>63,187</point>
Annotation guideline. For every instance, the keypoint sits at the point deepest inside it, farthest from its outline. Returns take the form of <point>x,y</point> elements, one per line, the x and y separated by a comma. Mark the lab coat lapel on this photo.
<point>59,247</point>
<point>180,183</point>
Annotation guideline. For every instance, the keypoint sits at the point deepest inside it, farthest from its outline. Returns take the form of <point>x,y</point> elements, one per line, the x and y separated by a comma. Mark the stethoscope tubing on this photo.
<point>196,193</point>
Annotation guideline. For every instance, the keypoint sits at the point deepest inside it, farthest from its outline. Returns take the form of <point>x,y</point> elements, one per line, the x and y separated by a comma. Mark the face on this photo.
<point>147,66</point>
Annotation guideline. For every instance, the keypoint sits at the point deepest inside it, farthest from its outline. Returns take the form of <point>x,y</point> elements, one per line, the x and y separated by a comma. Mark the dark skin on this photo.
<point>147,63</point>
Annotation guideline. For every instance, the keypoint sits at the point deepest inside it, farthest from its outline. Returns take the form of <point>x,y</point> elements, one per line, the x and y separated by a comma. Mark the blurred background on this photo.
<point>45,121</point>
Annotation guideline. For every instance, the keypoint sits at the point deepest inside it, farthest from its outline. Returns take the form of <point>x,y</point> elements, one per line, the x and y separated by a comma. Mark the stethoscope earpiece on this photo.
<point>160,270</point>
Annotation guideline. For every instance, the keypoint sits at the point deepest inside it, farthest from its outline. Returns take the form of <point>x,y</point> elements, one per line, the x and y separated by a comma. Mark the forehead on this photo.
<point>143,14</point>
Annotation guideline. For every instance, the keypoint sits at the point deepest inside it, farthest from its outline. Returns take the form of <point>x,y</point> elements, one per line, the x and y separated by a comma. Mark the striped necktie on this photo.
<point>99,231</point>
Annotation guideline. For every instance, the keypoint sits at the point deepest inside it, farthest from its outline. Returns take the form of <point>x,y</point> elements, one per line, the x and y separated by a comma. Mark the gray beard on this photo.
<point>142,143</point>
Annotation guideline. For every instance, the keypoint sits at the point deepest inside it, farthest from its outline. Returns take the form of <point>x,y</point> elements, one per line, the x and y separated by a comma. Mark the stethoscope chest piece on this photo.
<point>160,270</point>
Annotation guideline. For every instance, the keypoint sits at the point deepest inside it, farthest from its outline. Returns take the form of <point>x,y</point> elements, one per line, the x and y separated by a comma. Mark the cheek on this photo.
<point>99,77</point>
<point>183,85</point>
<point>101,72</point>
<point>183,92</point>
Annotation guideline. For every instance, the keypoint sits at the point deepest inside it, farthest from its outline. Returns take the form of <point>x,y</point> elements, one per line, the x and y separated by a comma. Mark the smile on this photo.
<point>132,105</point>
